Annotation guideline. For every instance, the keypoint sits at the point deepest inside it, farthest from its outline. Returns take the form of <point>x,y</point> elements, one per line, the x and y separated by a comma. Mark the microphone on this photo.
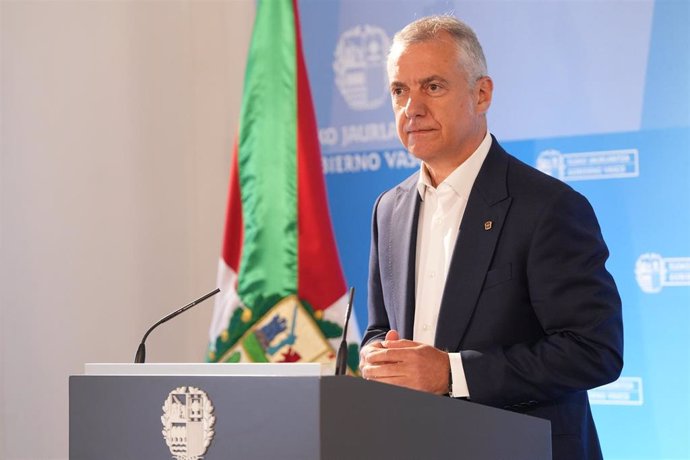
<point>141,351</point>
<point>341,357</point>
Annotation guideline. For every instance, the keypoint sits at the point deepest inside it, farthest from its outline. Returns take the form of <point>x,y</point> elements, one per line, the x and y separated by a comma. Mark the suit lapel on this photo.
<point>481,226</point>
<point>403,262</point>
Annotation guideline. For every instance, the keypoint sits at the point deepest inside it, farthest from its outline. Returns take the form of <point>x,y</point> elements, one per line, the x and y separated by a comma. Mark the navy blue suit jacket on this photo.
<point>528,301</point>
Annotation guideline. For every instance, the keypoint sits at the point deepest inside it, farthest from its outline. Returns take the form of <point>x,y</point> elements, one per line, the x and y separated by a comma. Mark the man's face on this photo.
<point>440,117</point>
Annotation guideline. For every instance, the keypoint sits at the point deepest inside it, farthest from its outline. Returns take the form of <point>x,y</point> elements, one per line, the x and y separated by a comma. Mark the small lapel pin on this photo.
<point>488,224</point>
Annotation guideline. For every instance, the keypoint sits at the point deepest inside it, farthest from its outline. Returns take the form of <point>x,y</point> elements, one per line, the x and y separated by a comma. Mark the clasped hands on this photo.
<point>405,363</point>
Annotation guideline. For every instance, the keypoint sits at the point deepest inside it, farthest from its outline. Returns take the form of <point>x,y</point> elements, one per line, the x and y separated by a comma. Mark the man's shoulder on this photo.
<point>522,176</point>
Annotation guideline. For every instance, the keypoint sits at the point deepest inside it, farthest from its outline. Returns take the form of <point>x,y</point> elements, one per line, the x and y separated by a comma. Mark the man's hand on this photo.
<point>406,363</point>
<point>367,349</point>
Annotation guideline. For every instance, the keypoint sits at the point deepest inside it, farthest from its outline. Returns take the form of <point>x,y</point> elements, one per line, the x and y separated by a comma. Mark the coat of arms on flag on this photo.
<point>283,294</point>
<point>274,338</point>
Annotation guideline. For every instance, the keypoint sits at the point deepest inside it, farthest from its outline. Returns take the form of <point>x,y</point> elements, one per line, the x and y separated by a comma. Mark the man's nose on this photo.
<point>415,107</point>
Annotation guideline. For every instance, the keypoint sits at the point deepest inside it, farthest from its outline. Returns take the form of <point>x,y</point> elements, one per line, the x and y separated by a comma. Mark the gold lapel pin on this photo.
<point>488,224</point>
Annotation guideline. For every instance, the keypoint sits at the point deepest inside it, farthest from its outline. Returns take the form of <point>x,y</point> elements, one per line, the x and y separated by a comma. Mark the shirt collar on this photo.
<point>462,178</point>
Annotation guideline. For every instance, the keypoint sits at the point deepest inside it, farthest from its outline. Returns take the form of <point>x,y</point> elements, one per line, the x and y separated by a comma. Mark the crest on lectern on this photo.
<point>188,423</point>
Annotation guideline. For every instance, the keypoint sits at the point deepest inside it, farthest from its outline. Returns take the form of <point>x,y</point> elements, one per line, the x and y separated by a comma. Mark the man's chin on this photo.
<point>423,153</point>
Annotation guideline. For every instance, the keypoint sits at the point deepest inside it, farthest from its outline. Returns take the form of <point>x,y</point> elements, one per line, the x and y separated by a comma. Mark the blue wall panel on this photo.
<point>595,93</point>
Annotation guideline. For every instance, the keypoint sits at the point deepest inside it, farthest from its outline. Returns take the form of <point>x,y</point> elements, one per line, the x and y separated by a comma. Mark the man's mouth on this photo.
<point>419,131</point>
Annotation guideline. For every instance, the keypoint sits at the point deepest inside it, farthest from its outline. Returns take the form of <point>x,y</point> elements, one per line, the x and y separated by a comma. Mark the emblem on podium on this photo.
<point>188,423</point>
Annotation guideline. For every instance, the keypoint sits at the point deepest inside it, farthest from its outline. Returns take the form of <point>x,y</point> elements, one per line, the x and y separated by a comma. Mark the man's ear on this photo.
<point>484,91</point>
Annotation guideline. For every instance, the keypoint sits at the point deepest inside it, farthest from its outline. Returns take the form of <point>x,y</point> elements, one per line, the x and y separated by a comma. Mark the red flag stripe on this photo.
<point>234,228</point>
<point>320,276</point>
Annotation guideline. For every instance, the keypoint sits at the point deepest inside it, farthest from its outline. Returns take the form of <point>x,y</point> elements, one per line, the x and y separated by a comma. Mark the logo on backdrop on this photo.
<point>626,391</point>
<point>654,272</point>
<point>188,423</point>
<point>360,67</point>
<point>607,164</point>
<point>361,162</point>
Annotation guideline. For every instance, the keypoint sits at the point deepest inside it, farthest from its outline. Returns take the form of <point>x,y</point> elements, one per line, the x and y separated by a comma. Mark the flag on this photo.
<point>283,294</point>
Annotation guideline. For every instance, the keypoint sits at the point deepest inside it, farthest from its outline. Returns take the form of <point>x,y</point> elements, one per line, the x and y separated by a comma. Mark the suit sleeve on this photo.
<point>578,308</point>
<point>378,323</point>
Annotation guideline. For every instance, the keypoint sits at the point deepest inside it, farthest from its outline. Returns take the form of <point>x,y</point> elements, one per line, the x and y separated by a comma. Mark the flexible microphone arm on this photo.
<point>141,351</point>
<point>341,357</point>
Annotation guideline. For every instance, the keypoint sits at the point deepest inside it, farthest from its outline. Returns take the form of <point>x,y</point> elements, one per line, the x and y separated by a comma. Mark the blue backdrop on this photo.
<point>594,93</point>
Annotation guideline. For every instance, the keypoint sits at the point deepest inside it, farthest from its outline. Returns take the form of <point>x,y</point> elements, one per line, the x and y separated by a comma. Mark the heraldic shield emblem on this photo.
<point>188,423</point>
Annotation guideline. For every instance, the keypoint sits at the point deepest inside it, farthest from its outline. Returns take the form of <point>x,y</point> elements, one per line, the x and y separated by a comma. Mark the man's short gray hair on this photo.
<point>429,28</point>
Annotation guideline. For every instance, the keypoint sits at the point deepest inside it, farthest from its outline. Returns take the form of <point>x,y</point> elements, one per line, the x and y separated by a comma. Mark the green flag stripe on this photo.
<point>267,159</point>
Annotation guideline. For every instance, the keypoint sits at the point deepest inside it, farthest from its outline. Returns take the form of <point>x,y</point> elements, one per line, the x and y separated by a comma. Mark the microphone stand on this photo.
<point>140,357</point>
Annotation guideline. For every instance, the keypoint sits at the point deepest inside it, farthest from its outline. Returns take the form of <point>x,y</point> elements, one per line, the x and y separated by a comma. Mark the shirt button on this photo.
<point>432,274</point>
<point>425,327</point>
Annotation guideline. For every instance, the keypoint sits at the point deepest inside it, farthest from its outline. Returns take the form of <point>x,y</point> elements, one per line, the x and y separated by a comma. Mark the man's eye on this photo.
<point>433,88</point>
<point>397,91</point>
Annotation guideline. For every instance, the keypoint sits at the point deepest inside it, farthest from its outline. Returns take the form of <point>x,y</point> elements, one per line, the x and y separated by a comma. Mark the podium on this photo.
<point>288,414</point>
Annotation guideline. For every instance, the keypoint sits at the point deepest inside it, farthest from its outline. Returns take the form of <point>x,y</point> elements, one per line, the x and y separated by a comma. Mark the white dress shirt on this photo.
<point>440,216</point>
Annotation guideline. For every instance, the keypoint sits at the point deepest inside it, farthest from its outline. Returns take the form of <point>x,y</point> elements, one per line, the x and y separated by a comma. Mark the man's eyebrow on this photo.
<point>427,80</point>
<point>424,81</point>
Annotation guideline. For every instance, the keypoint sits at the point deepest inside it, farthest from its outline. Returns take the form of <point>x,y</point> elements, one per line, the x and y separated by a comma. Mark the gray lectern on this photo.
<point>142,412</point>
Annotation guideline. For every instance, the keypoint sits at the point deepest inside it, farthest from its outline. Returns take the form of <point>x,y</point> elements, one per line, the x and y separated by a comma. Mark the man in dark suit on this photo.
<point>487,277</point>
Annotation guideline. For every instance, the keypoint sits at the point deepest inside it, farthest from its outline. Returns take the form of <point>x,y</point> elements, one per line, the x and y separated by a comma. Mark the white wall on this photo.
<point>117,124</point>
